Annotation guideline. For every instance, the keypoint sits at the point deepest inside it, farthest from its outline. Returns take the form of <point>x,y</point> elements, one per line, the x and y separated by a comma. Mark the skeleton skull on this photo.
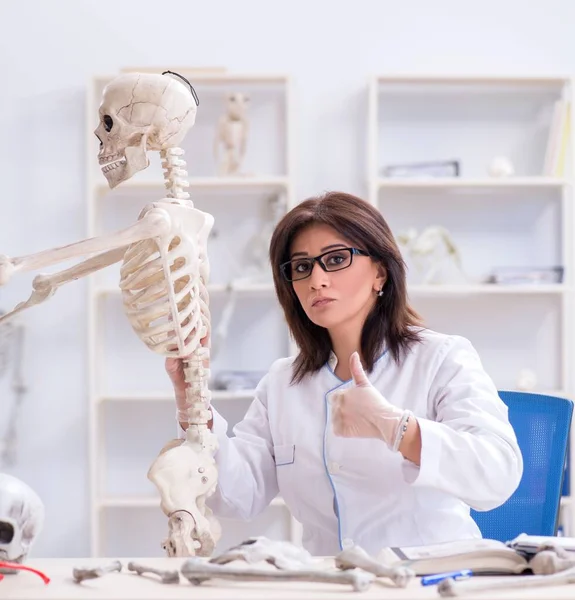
<point>140,112</point>
<point>21,518</point>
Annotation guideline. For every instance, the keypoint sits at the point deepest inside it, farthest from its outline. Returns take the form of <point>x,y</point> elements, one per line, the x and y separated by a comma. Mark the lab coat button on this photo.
<point>347,543</point>
<point>333,468</point>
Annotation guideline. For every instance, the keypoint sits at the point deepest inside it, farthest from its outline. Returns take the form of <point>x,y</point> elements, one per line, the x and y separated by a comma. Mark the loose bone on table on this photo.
<point>164,277</point>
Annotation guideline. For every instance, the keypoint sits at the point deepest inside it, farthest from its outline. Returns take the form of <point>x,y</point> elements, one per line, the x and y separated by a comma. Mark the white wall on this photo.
<point>49,51</point>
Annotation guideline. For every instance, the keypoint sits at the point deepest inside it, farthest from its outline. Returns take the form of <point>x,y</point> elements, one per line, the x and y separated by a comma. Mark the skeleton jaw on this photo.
<point>121,166</point>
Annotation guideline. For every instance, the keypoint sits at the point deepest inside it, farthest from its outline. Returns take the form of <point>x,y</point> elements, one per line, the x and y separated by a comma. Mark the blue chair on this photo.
<point>542,425</point>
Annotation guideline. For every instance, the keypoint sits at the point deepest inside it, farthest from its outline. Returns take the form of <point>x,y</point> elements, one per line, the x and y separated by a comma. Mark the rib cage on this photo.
<point>166,316</point>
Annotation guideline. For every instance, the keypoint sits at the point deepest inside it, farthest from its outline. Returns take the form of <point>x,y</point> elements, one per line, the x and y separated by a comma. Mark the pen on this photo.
<point>433,579</point>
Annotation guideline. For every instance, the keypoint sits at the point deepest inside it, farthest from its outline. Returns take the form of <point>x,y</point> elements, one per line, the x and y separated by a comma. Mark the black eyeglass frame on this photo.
<point>318,259</point>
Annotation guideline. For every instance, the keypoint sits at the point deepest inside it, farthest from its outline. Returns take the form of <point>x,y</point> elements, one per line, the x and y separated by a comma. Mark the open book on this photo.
<point>482,556</point>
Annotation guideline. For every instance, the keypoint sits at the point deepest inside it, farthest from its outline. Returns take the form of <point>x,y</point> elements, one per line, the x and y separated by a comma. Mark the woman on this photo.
<point>379,432</point>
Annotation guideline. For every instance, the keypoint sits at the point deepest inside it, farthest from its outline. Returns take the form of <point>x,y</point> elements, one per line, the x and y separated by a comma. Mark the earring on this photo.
<point>380,293</point>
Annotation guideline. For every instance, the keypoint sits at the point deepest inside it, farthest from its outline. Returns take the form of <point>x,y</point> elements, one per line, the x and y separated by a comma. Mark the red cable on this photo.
<point>11,565</point>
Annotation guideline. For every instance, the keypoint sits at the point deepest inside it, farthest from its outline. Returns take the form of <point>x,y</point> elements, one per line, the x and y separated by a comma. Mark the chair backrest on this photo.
<point>542,425</point>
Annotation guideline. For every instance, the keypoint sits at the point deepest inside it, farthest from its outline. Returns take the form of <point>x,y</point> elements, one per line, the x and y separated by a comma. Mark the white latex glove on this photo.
<point>175,370</point>
<point>361,411</point>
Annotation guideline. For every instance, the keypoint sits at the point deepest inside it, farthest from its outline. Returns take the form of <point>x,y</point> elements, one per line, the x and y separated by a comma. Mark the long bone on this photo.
<point>451,588</point>
<point>357,557</point>
<point>154,223</point>
<point>197,570</point>
<point>551,560</point>
<point>82,573</point>
<point>45,286</point>
<point>165,576</point>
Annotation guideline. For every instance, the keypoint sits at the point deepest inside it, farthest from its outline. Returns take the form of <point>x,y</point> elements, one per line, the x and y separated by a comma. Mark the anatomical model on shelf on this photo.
<point>163,280</point>
<point>232,135</point>
<point>434,254</point>
<point>253,268</point>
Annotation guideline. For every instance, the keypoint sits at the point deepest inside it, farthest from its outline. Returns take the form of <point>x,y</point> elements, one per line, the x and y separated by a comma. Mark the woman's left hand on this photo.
<point>361,411</point>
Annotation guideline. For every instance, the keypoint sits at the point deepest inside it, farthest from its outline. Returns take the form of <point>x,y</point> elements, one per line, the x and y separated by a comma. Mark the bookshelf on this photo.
<point>522,220</point>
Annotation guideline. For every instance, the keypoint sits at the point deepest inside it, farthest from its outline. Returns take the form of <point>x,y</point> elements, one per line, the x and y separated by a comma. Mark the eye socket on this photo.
<point>108,122</point>
<point>6,532</point>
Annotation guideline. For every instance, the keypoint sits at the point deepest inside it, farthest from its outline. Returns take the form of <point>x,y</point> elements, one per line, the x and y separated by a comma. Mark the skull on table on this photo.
<point>21,518</point>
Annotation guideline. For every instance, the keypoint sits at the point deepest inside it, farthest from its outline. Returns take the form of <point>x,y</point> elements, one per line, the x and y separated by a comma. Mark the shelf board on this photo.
<point>149,502</point>
<point>467,184</point>
<point>200,184</point>
<point>257,289</point>
<point>486,288</point>
<point>205,76</point>
<point>217,395</point>
<point>461,79</point>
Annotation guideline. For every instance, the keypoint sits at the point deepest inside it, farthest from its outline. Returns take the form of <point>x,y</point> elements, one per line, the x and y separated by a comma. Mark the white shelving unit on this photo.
<point>132,410</point>
<point>523,220</point>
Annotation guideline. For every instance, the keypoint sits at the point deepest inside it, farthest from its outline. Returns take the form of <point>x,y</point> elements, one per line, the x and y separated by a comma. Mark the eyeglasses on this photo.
<point>334,260</point>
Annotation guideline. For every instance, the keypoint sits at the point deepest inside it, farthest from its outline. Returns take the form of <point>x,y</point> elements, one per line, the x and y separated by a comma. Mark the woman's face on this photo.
<point>338,298</point>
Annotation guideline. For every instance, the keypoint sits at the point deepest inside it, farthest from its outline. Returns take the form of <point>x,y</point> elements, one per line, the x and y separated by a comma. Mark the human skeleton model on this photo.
<point>164,275</point>
<point>231,135</point>
<point>433,252</point>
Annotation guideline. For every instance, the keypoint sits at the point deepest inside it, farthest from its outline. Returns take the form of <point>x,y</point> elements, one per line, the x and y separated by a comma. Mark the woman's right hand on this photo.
<point>175,369</point>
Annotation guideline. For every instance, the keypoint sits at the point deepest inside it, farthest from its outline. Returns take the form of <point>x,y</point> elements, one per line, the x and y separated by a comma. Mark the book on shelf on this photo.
<point>481,556</point>
<point>447,168</point>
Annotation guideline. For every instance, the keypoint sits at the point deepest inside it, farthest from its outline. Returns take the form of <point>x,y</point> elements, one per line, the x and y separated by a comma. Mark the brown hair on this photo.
<point>390,322</point>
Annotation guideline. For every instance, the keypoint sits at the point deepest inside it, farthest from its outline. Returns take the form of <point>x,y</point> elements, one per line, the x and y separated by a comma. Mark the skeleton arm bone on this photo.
<point>45,286</point>
<point>154,223</point>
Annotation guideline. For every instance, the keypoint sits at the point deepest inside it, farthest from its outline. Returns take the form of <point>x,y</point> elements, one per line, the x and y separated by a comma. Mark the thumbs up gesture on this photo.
<point>361,411</point>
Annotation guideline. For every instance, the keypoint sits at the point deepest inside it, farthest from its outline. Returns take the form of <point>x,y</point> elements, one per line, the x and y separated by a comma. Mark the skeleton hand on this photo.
<point>361,411</point>
<point>175,369</point>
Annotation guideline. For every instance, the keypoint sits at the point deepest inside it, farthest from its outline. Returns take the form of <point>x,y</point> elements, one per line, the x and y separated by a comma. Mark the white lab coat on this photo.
<point>353,490</point>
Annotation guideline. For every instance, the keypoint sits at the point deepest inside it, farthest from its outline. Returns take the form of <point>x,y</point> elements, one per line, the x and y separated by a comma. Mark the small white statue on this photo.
<point>501,166</point>
<point>526,380</point>
<point>253,264</point>
<point>21,518</point>
<point>231,136</point>
<point>434,254</point>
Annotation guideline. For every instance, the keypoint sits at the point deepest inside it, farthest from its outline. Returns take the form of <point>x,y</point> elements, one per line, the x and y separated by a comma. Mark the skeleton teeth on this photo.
<point>112,161</point>
<point>112,166</point>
